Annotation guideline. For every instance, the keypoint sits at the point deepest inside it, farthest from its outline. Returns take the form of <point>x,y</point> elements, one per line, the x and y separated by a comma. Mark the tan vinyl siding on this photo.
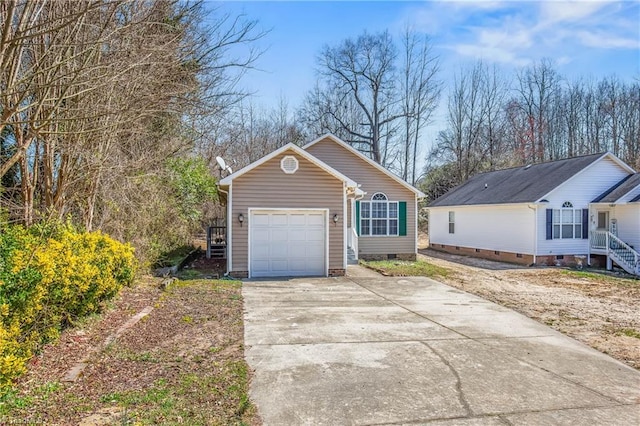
<point>371,180</point>
<point>267,186</point>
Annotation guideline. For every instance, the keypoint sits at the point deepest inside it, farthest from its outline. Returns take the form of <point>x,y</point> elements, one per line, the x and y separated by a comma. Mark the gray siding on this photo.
<point>371,181</point>
<point>267,186</point>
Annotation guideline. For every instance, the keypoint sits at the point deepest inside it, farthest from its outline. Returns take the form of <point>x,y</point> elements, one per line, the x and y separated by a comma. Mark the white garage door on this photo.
<point>285,243</point>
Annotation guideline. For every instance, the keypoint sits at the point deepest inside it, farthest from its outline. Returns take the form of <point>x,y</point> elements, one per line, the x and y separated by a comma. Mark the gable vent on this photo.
<point>289,164</point>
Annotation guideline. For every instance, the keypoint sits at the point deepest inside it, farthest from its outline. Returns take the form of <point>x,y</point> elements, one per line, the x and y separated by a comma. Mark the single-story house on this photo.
<point>307,211</point>
<point>559,212</point>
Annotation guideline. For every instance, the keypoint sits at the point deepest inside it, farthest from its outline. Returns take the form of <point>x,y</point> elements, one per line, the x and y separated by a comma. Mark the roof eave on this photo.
<point>330,170</point>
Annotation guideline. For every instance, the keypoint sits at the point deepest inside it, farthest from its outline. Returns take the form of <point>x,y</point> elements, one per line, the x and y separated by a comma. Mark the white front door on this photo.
<point>285,243</point>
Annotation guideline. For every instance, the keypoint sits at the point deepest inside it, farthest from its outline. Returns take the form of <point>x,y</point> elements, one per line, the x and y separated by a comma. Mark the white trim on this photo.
<point>283,165</point>
<point>387,218</point>
<point>344,228</point>
<point>350,183</point>
<point>415,219</point>
<point>324,211</point>
<point>469,206</point>
<point>230,230</point>
<point>351,149</point>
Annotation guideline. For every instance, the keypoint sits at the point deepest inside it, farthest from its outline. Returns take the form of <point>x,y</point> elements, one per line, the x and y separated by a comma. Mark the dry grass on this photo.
<point>183,363</point>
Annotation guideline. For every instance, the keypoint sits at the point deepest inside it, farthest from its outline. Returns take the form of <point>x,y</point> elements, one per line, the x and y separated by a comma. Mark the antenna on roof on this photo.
<point>527,166</point>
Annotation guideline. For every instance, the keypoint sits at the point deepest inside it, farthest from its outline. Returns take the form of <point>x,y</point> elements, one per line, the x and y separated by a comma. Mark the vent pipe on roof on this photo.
<point>486,185</point>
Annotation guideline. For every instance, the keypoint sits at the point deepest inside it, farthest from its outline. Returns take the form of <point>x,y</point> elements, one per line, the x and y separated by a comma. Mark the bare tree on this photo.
<point>363,72</point>
<point>420,91</point>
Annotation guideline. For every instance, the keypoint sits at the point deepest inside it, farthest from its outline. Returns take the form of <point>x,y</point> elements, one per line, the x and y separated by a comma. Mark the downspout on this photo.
<point>226,274</point>
<point>589,240</point>
<point>535,231</point>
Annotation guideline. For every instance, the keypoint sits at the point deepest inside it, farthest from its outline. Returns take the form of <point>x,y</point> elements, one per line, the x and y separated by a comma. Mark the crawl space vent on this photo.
<point>289,164</point>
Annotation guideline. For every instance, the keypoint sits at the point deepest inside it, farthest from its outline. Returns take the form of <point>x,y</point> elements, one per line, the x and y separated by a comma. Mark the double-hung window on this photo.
<point>567,222</point>
<point>379,216</point>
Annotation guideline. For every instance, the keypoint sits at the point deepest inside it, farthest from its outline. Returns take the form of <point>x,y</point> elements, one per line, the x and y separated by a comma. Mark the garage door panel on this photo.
<point>316,220</point>
<point>278,235</point>
<point>315,252</point>
<point>278,251</point>
<point>260,235</point>
<point>261,252</point>
<point>279,265</point>
<point>288,243</point>
<point>297,234</point>
<point>278,220</point>
<point>260,219</point>
<point>314,235</point>
<point>297,219</point>
<point>297,265</point>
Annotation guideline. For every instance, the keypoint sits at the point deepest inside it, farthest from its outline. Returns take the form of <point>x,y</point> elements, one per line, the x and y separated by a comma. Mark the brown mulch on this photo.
<point>183,363</point>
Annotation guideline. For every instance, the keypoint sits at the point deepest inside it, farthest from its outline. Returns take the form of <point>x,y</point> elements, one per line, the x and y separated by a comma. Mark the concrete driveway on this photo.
<point>378,350</point>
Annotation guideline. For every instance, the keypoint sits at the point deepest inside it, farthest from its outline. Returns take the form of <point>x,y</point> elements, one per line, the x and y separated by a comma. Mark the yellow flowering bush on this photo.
<point>51,275</point>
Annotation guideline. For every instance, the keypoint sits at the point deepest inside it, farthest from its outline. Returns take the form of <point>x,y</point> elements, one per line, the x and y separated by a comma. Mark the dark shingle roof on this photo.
<point>525,184</point>
<point>620,189</point>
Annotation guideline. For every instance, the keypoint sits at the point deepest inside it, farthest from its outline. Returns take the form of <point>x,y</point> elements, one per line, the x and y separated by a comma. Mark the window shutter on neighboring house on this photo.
<point>585,223</point>
<point>402,218</point>
<point>358,218</point>
<point>549,224</point>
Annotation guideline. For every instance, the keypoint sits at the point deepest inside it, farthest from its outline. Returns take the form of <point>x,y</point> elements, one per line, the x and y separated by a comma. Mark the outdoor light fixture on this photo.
<point>241,218</point>
<point>335,218</point>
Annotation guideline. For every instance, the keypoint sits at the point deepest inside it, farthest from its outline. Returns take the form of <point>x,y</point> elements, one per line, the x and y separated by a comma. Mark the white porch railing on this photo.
<point>352,240</point>
<point>599,240</point>
<point>619,251</point>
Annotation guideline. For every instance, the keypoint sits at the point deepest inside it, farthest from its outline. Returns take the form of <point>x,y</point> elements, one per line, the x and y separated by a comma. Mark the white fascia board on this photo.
<point>467,206</point>
<point>348,147</point>
<point>349,182</point>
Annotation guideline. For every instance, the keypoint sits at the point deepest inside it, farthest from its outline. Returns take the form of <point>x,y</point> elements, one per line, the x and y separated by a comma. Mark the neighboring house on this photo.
<point>559,212</point>
<point>307,211</point>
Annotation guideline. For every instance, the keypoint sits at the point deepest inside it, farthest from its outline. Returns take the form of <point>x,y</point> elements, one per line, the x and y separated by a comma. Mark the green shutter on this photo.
<point>402,218</point>
<point>358,217</point>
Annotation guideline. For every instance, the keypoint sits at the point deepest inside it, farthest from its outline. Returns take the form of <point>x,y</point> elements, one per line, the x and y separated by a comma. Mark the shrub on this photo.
<point>51,275</point>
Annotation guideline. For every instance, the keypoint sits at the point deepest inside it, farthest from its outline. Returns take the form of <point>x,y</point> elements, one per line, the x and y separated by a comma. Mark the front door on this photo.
<point>603,220</point>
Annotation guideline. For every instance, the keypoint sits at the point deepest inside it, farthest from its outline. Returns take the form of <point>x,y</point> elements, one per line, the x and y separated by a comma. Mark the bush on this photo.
<point>51,275</point>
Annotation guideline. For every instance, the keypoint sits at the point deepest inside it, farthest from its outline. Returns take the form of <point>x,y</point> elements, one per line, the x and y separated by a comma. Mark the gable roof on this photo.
<point>526,184</point>
<point>368,160</point>
<point>619,190</point>
<point>227,180</point>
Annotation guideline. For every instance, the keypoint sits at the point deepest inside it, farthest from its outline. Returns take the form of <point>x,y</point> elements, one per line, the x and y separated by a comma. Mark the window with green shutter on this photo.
<point>381,217</point>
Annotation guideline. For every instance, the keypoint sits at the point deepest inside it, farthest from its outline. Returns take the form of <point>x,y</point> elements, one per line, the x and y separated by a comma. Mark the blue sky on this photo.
<point>583,38</point>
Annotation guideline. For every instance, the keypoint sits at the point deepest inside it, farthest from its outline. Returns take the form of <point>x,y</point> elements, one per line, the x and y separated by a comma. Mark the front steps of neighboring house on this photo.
<point>351,257</point>
<point>626,258</point>
<point>616,251</point>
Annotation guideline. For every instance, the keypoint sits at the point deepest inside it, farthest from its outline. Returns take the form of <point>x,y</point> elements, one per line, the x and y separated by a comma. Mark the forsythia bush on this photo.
<point>51,275</point>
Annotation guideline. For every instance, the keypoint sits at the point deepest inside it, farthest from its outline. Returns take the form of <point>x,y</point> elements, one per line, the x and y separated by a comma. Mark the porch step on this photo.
<point>351,257</point>
<point>218,251</point>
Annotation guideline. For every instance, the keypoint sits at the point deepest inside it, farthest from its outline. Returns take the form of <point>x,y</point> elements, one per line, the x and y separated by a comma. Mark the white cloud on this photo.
<point>603,40</point>
<point>558,11</point>
<point>491,54</point>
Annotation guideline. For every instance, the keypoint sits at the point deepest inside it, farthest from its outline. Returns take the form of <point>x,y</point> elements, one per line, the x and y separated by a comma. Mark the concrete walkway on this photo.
<point>377,350</point>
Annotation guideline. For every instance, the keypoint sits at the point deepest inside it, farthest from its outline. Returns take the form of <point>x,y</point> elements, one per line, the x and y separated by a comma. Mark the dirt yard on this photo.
<point>596,308</point>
